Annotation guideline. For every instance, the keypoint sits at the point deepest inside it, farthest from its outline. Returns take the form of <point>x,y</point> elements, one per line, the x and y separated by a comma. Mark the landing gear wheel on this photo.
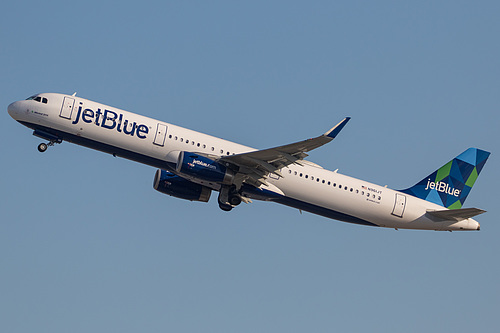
<point>42,147</point>
<point>228,198</point>
<point>234,200</point>
<point>225,207</point>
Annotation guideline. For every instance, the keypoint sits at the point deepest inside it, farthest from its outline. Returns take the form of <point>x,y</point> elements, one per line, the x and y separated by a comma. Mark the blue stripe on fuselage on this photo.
<point>89,143</point>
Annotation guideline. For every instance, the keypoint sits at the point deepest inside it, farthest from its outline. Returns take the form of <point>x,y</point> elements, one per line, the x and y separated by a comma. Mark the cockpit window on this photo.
<point>38,99</point>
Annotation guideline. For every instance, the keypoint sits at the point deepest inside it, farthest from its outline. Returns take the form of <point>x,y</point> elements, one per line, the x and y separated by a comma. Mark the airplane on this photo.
<point>191,165</point>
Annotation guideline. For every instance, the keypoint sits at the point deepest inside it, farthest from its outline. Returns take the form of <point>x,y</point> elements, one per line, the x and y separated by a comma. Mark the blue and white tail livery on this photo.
<point>450,185</point>
<point>191,165</point>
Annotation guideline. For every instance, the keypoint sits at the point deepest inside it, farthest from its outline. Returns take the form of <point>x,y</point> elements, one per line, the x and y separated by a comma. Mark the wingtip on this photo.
<point>334,131</point>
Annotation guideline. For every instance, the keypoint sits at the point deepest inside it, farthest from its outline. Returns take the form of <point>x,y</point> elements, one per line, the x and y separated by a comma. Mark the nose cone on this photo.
<point>12,109</point>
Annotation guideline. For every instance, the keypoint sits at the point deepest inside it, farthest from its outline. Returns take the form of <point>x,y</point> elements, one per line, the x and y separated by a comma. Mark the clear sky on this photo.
<point>87,245</point>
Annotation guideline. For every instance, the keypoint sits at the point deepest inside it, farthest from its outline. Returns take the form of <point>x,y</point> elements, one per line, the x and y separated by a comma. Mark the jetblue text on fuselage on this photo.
<point>111,120</point>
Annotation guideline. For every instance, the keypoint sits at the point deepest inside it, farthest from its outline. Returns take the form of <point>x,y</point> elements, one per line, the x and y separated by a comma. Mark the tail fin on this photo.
<point>450,185</point>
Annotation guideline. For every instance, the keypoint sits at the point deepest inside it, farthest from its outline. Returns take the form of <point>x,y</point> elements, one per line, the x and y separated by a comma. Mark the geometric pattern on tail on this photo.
<point>450,185</point>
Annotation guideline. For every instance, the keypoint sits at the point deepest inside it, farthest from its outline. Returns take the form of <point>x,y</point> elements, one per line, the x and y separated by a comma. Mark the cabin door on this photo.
<point>161,132</point>
<point>67,107</point>
<point>399,205</point>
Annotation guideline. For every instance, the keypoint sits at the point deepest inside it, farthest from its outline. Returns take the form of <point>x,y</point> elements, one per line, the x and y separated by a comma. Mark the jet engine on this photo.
<point>203,168</point>
<point>171,184</point>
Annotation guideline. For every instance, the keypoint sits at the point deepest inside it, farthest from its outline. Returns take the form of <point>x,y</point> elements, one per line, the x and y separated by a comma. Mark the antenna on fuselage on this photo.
<point>74,94</point>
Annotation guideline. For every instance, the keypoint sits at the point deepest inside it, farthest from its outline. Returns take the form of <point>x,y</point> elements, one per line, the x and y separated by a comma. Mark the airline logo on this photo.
<point>442,187</point>
<point>203,164</point>
<point>111,120</point>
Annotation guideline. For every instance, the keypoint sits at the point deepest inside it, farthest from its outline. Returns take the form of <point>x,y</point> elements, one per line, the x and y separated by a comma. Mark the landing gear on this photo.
<point>47,136</point>
<point>225,207</point>
<point>42,147</point>
<point>228,198</point>
<point>234,200</point>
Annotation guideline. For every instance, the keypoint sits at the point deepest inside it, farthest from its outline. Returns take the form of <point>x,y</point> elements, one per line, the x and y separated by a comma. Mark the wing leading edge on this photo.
<point>254,167</point>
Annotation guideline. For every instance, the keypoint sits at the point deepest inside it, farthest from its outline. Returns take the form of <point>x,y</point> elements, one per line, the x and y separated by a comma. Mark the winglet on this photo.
<point>332,133</point>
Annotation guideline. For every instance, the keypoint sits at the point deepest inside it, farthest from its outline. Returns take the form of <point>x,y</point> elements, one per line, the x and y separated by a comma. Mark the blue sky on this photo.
<point>87,245</point>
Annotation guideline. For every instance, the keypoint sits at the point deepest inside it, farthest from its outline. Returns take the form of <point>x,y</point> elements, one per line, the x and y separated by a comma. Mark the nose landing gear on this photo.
<point>42,147</point>
<point>47,136</point>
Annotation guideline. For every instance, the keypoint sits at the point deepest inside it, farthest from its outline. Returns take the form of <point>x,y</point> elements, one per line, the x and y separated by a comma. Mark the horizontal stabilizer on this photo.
<point>456,214</point>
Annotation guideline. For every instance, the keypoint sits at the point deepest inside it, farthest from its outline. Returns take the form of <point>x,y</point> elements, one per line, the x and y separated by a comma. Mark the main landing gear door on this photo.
<point>67,107</point>
<point>399,205</point>
<point>161,131</point>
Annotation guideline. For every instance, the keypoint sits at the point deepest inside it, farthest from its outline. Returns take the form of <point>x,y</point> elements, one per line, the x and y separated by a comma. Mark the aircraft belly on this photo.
<point>321,199</point>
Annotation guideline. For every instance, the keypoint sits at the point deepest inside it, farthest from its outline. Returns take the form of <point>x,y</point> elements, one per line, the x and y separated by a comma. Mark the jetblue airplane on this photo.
<point>191,165</point>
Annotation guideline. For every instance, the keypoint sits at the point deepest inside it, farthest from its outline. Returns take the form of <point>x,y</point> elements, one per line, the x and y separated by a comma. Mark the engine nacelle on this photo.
<point>203,168</point>
<point>171,184</point>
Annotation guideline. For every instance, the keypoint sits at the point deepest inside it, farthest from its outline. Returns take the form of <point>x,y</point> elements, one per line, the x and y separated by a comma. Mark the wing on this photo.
<point>254,167</point>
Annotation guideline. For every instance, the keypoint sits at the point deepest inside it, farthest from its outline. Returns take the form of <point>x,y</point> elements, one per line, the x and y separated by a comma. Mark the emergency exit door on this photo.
<point>399,205</point>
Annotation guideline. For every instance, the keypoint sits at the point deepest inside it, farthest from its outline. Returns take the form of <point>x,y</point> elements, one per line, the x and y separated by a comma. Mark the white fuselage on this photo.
<point>307,187</point>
